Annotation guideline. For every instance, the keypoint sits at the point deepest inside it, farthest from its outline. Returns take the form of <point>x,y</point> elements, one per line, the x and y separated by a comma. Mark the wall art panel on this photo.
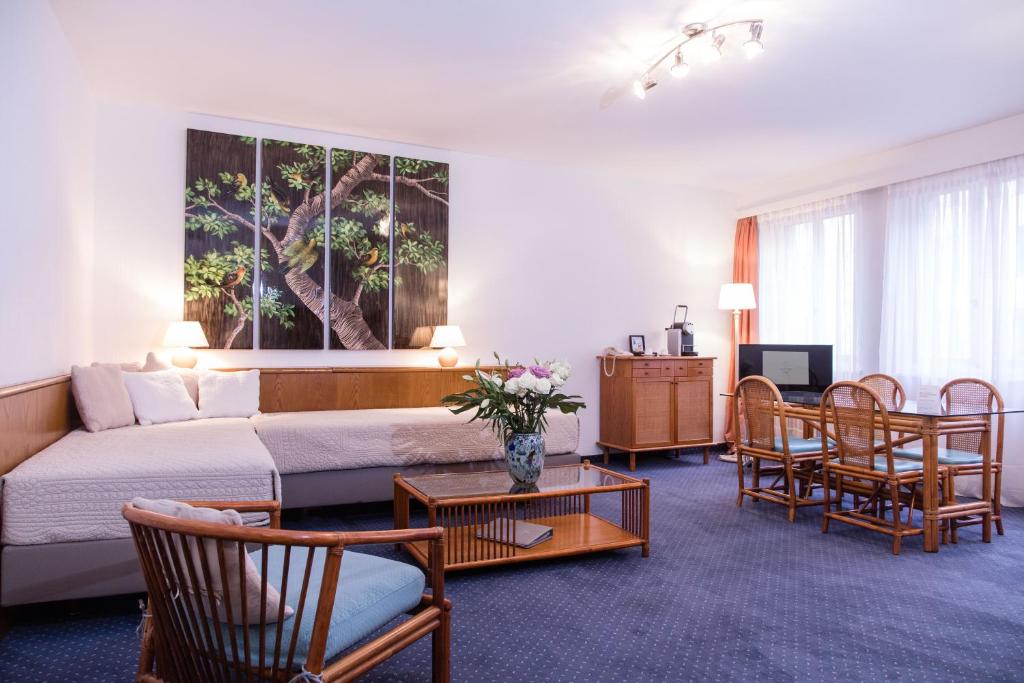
<point>292,205</point>
<point>220,173</point>
<point>421,250</point>
<point>360,221</point>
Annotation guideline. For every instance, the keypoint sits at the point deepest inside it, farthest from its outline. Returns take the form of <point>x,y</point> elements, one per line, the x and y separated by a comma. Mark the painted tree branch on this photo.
<point>413,182</point>
<point>242,317</point>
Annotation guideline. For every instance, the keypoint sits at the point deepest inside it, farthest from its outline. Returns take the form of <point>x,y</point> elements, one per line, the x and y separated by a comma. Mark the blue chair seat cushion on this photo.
<point>798,445</point>
<point>371,592</point>
<point>899,466</point>
<point>947,456</point>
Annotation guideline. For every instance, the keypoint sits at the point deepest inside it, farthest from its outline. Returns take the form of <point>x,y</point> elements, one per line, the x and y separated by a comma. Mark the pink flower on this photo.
<point>540,372</point>
<point>516,372</point>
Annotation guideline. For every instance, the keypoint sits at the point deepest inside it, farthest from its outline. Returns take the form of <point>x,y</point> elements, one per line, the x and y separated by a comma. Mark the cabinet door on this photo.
<point>693,409</point>
<point>652,404</point>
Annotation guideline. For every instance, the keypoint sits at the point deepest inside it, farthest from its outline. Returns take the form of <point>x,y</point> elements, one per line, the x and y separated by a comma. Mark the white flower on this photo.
<point>543,386</point>
<point>497,380</point>
<point>484,403</point>
<point>556,380</point>
<point>527,381</point>
<point>560,368</point>
<point>512,386</point>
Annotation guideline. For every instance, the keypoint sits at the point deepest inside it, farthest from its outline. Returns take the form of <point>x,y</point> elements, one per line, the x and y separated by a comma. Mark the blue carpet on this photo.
<point>727,594</point>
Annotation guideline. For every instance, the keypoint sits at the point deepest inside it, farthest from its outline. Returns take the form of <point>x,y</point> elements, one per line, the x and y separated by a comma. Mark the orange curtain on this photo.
<point>744,269</point>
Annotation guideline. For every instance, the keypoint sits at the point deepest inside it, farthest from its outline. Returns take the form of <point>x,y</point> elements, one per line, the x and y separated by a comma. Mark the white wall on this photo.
<point>977,145</point>
<point>47,116</point>
<point>553,262</point>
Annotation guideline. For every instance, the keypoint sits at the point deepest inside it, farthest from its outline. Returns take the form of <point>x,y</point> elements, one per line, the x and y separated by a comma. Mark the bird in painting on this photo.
<point>234,279</point>
<point>301,255</point>
<point>372,257</point>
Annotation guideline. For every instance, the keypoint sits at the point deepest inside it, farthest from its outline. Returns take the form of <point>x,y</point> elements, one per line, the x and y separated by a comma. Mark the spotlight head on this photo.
<point>754,46</point>
<point>679,68</point>
<point>642,85</point>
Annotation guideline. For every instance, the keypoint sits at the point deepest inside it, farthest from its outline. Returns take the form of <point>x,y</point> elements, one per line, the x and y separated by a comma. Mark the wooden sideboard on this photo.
<point>656,403</point>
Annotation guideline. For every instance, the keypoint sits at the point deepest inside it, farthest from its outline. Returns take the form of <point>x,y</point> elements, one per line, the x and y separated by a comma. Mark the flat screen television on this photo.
<point>793,367</point>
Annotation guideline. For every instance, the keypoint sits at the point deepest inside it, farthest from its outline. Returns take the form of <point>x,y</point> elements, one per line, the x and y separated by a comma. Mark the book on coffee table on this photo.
<point>527,534</point>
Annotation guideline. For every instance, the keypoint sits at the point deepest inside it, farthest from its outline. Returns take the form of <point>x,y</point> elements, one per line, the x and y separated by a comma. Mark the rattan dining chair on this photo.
<point>888,388</point>
<point>857,414</point>
<point>966,452</point>
<point>765,437</point>
<point>337,597</point>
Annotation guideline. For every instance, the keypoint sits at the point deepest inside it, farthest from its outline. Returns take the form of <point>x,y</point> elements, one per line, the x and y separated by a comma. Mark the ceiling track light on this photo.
<point>711,50</point>
<point>753,47</point>
<point>642,85</point>
<point>679,67</point>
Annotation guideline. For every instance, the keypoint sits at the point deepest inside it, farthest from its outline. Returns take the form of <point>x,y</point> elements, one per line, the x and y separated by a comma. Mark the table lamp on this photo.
<point>184,335</point>
<point>446,338</point>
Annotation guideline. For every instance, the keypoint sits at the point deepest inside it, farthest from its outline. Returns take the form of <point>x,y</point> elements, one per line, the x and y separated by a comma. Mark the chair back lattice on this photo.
<point>761,405</point>
<point>888,389</point>
<point>852,407</point>
<point>199,635</point>
<point>968,394</point>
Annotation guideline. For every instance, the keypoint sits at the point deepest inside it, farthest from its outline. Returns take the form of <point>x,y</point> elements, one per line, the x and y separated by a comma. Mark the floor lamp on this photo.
<point>736,297</point>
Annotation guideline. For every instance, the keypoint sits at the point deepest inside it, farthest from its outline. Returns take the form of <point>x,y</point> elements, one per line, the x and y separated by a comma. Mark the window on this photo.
<point>806,278</point>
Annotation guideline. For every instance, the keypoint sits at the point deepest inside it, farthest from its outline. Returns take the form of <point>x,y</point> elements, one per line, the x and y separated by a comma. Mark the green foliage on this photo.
<point>424,252</point>
<point>245,139</point>
<point>272,308</point>
<point>212,222</point>
<point>371,204</point>
<point>406,167</point>
<point>307,172</point>
<point>205,277</point>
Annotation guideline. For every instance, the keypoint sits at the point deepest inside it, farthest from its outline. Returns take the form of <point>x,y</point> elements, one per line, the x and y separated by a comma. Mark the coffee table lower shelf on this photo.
<point>572,534</point>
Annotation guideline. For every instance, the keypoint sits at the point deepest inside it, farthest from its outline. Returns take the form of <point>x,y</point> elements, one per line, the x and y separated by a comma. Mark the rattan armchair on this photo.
<point>189,636</point>
<point>857,413</point>
<point>764,437</point>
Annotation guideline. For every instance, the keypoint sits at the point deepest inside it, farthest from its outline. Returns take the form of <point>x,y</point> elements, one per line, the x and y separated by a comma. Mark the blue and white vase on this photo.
<point>524,454</point>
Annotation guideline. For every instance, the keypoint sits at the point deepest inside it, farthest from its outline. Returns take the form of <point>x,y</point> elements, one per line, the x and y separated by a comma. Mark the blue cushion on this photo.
<point>798,445</point>
<point>947,456</point>
<point>898,465</point>
<point>371,592</point>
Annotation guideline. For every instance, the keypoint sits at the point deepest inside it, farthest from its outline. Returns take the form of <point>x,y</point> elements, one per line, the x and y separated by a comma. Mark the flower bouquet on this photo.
<point>515,401</point>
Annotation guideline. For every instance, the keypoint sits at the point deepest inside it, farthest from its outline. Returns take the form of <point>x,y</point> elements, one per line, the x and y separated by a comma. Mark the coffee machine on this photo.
<point>680,334</point>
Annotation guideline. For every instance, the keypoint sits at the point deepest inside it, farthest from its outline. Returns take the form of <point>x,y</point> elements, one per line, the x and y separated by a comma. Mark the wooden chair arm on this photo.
<point>391,536</point>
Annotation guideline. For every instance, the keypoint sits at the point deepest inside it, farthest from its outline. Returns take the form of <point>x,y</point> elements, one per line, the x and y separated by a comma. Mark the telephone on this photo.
<point>613,353</point>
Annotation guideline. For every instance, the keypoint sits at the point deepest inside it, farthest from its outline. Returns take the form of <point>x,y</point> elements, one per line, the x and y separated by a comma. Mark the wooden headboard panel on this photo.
<point>35,414</point>
<point>32,416</point>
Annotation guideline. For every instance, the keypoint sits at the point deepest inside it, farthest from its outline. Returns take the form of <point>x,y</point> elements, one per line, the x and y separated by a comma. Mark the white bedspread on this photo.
<point>349,439</point>
<point>74,489</point>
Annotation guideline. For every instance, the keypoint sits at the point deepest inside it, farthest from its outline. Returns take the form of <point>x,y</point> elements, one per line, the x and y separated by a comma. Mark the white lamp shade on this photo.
<point>736,296</point>
<point>447,336</point>
<point>186,333</point>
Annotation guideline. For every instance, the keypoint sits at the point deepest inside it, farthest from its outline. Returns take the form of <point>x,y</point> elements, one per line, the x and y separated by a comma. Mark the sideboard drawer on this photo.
<point>703,364</point>
<point>646,372</point>
<point>699,372</point>
<point>648,364</point>
<point>680,368</point>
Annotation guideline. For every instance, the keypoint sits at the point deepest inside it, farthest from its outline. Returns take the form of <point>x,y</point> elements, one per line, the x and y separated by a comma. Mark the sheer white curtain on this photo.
<point>953,296</point>
<point>806,278</point>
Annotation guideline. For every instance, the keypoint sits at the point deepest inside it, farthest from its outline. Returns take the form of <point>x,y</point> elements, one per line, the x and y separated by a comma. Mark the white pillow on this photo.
<point>229,394</point>
<point>253,582</point>
<point>188,375</point>
<point>159,397</point>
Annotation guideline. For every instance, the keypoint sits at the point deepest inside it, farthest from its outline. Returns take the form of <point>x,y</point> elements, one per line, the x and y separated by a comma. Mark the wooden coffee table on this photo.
<point>463,503</point>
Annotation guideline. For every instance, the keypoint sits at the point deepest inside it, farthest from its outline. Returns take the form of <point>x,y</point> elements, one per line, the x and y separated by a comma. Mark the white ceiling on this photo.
<point>549,79</point>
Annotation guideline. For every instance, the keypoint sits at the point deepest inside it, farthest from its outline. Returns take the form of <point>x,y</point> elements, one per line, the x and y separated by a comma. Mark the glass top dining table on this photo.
<point>929,423</point>
<point>811,399</point>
